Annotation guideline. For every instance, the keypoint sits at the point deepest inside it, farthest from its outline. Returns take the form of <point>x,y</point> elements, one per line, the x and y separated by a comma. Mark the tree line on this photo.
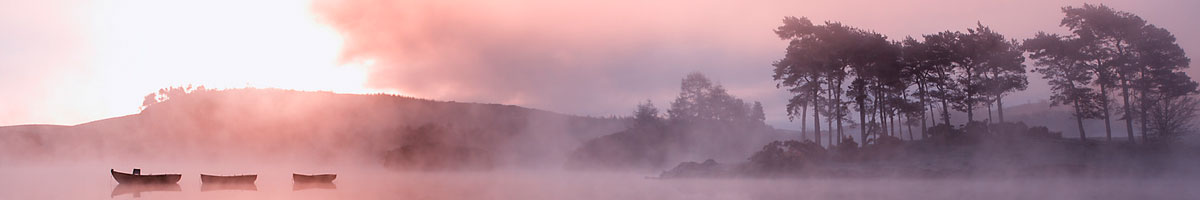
<point>834,69</point>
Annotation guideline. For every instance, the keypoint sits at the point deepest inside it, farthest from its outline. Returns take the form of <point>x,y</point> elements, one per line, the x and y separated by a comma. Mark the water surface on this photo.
<point>89,182</point>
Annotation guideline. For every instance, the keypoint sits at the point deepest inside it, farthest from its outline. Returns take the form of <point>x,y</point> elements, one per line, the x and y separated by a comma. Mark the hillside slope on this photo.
<point>282,125</point>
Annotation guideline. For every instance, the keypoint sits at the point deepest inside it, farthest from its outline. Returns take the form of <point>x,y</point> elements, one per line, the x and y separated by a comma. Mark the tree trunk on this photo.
<point>862,120</point>
<point>838,110</point>
<point>1144,120</point>
<point>945,113</point>
<point>880,105</point>
<point>804,122</point>
<point>970,100</point>
<point>1079,121</point>
<point>933,114</point>
<point>1000,107</point>
<point>1104,105</point>
<point>924,128</point>
<point>829,123</point>
<point>909,125</point>
<point>816,116</point>
<point>1128,111</point>
<point>892,124</point>
<point>1143,104</point>
<point>989,118</point>
<point>970,112</point>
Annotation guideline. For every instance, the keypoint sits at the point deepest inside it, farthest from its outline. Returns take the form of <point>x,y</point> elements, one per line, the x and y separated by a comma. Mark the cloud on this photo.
<point>602,57</point>
<point>575,57</point>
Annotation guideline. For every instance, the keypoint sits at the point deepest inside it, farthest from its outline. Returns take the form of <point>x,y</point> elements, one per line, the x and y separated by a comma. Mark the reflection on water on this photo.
<point>305,186</point>
<point>138,189</point>
<point>85,182</point>
<point>205,187</point>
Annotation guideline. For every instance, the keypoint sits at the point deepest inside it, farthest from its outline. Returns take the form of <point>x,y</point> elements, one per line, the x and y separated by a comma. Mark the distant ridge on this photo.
<point>271,123</point>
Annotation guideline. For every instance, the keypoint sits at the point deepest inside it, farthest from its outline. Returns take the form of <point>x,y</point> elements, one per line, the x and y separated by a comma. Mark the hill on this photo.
<point>263,125</point>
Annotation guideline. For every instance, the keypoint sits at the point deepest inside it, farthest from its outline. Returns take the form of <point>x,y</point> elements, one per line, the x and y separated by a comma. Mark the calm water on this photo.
<point>80,182</point>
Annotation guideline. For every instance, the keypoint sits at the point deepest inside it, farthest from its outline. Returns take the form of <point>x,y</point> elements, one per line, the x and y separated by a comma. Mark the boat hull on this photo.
<point>127,178</point>
<point>239,179</point>
<point>316,178</point>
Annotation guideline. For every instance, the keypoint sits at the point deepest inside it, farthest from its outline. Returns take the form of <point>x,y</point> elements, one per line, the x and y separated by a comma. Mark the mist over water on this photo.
<point>525,158</point>
<point>90,181</point>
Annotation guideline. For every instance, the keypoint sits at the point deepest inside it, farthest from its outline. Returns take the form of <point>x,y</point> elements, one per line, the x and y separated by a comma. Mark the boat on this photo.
<point>211,179</point>
<point>315,178</point>
<point>137,178</point>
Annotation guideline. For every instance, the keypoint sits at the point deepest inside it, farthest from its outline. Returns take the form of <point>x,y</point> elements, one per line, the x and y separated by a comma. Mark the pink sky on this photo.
<point>68,62</point>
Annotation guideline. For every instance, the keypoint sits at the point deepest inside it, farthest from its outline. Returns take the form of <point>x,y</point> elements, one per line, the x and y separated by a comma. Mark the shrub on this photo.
<point>788,155</point>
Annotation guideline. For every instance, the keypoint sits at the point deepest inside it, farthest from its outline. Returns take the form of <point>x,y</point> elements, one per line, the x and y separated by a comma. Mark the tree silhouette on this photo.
<point>1002,66</point>
<point>1106,34</point>
<point>165,94</point>
<point>818,60</point>
<point>1141,59</point>
<point>920,69</point>
<point>983,63</point>
<point>939,53</point>
<point>1063,64</point>
<point>757,114</point>
<point>701,100</point>
<point>646,115</point>
<point>1162,87</point>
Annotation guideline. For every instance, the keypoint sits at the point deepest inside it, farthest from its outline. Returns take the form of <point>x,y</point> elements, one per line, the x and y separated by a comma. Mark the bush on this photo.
<point>709,168</point>
<point>1009,128</point>
<point>788,155</point>
<point>846,150</point>
<point>976,128</point>
<point>946,134</point>
<point>1043,132</point>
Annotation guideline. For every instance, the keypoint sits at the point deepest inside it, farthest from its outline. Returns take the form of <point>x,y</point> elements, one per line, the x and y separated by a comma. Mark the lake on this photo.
<point>94,182</point>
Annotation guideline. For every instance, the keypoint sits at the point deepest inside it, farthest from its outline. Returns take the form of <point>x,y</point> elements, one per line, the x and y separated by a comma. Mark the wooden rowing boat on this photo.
<point>127,178</point>
<point>316,178</point>
<point>240,179</point>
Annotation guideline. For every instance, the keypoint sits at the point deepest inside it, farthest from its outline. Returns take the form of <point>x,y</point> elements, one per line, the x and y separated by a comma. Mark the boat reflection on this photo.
<point>137,189</point>
<point>205,187</point>
<point>306,186</point>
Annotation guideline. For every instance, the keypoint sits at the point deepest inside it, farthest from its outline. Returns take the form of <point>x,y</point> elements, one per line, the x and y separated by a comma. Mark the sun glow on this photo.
<point>143,45</point>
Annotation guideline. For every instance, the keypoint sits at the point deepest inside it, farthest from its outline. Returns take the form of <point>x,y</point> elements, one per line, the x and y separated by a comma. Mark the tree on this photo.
<point>802,69</point>
<point>1127,52</point>
<point>701,100</point>
<point>798,107</point>
<point>1163,89</point>
<point>1171,118</point>
<point>1107,35</point>
<point>818,60</point>
<point>985,64</point>
<point>165,94</point>
<point>1001,65</point>
<point>757,114</point>
<point>646,115</point>
<point>940,55</point>
<point>920,68</point>
<point>1064,65</point>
